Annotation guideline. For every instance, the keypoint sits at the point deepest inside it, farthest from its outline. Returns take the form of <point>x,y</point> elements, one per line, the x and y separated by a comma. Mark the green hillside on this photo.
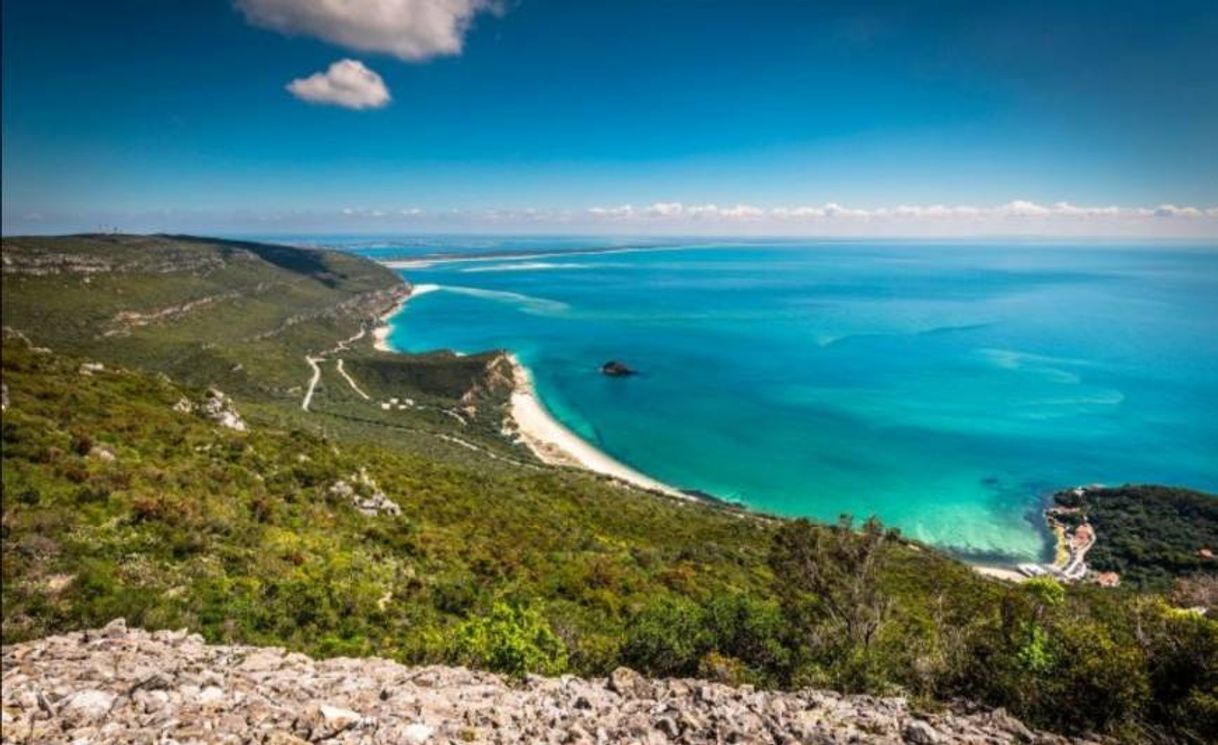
<point>421,533</point>
<point>238,315</point>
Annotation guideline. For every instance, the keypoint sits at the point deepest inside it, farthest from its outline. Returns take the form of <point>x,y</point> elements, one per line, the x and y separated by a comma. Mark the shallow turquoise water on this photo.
<point>945,388</point>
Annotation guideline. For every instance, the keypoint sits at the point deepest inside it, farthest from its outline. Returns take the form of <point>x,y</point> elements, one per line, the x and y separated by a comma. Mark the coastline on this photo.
<point>554,444</point>
<point>380,335</point>
<point>547,438</point>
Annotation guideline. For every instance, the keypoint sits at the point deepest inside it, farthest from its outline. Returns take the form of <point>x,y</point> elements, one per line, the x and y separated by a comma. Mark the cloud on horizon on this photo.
<point>1016,209</point>
<point>347,83</point>
<point>411,30</point>
<point>1016,218</point>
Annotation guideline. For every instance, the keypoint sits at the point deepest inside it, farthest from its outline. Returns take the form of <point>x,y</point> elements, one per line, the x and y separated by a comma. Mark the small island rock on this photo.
<point>615,369</point>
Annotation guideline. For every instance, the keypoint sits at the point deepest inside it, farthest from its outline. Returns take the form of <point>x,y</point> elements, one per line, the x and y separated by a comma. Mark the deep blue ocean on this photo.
<point>945,387</point>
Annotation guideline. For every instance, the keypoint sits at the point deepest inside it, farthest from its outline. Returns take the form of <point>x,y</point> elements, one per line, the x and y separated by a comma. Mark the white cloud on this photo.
<point>624,211</point>
<point>1171,210</point>
<point>697,211</point>
<point>742,212</point>
<point>797,212</point>
<point>347,83</point>
<point>407,29</point>
<point>1023,208</point>
<point>1065,208</point>
<point>666,209</point>
<point>1010,215</point>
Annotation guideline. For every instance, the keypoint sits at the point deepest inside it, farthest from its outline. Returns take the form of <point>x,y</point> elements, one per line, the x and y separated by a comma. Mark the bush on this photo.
<point>1181,648</point>
<point>667,638</point>
<point>510,640</point>
<point>723,669</point>
<point>751,631</point>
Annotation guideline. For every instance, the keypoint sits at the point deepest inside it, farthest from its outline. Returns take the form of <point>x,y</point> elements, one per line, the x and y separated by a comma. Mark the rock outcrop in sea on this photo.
<point>120,685</point>
<point>615,369</point>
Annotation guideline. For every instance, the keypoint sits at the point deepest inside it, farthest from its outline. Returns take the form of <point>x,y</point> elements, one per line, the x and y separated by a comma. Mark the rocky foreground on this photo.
<point>120,685</point>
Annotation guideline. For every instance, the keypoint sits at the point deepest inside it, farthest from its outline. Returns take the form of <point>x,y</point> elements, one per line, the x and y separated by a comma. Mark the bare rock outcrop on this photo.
<point>216,406</point>
<point>120,685</point>
<point>362,491</point>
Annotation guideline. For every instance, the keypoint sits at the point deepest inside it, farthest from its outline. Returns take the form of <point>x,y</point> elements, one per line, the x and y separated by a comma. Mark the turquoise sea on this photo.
<point>945,387</point>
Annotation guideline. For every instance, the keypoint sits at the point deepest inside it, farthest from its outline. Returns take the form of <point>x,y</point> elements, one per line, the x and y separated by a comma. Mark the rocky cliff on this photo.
<point>120,685</point>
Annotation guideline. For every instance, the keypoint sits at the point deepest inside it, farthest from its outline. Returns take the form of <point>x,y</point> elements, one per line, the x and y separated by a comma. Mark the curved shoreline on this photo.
<point>380,335</point>
<point>546,437</point>
<point>555,444</point>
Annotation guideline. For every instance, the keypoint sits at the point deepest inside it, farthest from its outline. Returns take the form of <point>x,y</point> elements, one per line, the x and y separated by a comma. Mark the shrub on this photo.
<point>751,631</point>
<point>510,640</point>
<point>723,669</point>
<point>668,637</point>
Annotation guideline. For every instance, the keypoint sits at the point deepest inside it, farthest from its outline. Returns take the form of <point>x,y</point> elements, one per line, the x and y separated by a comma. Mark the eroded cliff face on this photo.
<point>124,685</point>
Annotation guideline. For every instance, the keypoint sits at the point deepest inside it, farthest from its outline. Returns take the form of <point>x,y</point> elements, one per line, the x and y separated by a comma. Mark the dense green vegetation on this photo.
<point>1151,535</point>
<point>116,504</point>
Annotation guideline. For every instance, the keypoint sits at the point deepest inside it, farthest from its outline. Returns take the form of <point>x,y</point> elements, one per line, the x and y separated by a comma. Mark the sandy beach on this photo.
<point>545,436</point>
<point>553,443</point>
<point>993,572</point>
<point>380,335</point>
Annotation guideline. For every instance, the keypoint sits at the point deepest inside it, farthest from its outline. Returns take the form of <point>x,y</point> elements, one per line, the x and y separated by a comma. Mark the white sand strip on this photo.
<point>553,443</point>
<point>998,572</point>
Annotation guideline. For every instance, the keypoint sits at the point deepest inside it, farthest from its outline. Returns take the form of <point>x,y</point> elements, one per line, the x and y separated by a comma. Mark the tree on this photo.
<point>827,577</point>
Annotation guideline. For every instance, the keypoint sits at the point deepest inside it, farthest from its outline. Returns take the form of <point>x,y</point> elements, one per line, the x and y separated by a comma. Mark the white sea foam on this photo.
<point>528,303</point>
<point>1037,364</point>
<point>527,266</point>
<point>430,261</point>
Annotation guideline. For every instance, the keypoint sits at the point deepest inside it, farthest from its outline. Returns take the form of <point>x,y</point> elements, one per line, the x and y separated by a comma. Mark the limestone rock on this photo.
<point>102,452</point>
<point>629,684</point>
<point>119,685</point>
<point>917,732</point>
<point>361,490</point>
<point>220,409</point>
<point>86,707</point>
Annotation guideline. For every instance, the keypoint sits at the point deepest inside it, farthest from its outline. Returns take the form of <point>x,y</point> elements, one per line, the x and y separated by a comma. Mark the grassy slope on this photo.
<point>241,316</point>
<point>251,300</point>
<point>239,535</point>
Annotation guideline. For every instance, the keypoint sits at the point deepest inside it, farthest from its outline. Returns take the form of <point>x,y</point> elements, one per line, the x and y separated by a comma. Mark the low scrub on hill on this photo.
<point>120,500</point>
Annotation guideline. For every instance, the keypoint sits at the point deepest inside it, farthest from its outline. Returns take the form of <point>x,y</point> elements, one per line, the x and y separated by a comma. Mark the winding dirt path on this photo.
<point>308,397</point>
<point>351,381</point>
<point>313,363</point>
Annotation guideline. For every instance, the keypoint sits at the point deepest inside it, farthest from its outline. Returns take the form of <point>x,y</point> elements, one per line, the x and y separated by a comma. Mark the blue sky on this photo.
<point>621,116</point>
